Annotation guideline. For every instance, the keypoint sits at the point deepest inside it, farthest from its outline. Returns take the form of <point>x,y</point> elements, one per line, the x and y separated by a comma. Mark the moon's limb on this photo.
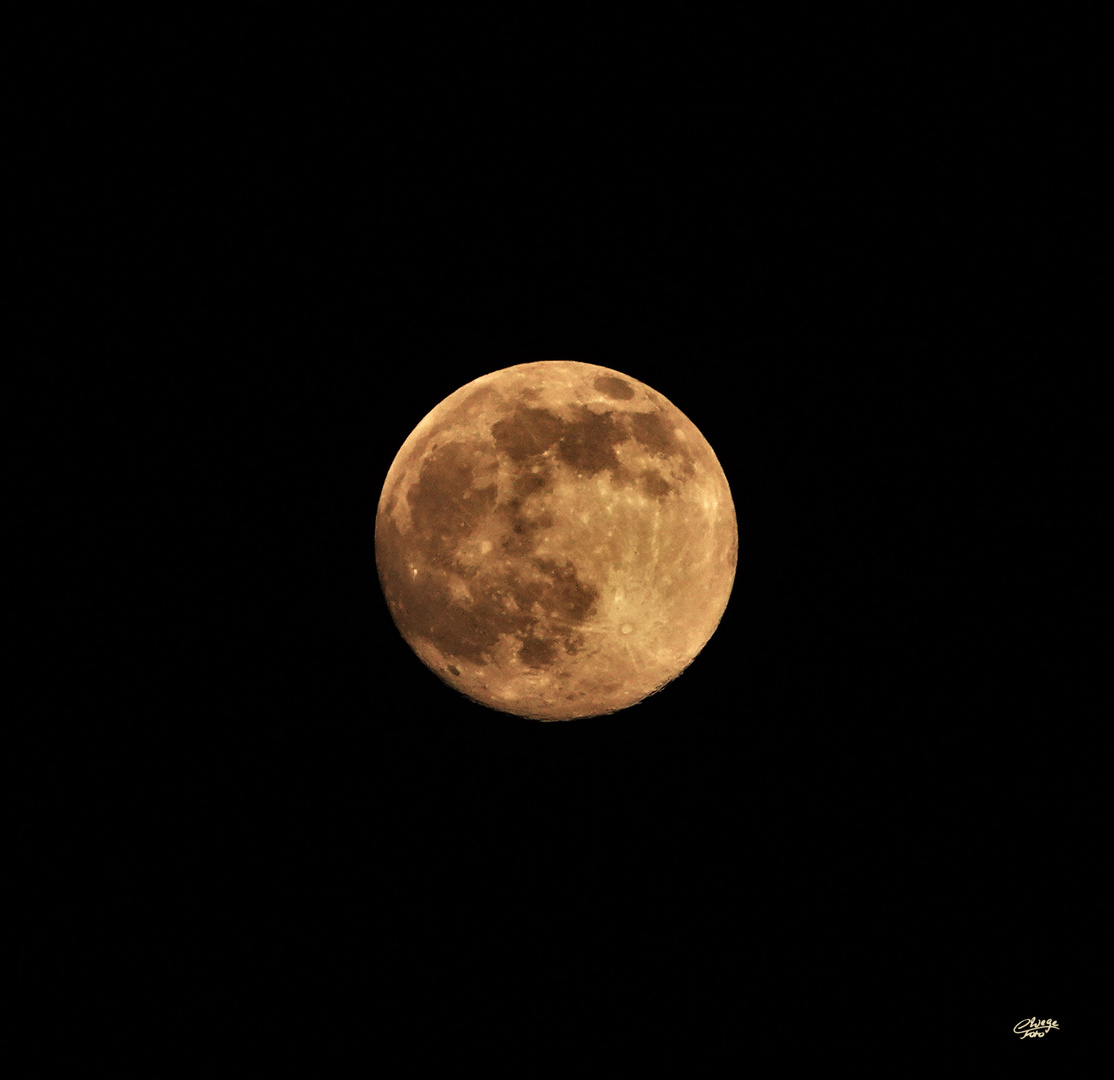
<point>556,540</point>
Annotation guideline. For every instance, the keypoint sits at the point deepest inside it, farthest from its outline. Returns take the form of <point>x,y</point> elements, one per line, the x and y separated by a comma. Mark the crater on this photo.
<point>614,388</point>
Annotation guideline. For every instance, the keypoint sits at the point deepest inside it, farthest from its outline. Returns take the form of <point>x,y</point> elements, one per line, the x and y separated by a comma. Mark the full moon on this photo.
<point>556,540</point>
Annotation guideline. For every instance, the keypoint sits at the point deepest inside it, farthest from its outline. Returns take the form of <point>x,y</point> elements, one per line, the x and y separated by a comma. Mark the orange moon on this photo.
<point>556,540</point>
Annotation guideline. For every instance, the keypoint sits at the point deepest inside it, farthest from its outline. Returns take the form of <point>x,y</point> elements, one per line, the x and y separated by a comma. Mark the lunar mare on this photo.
<point>556,540</point>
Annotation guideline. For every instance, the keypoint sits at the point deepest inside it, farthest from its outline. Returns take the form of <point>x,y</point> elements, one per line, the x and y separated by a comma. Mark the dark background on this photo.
<point>863,809</point>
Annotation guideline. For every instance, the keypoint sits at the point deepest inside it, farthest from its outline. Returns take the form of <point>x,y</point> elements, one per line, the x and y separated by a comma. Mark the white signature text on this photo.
<point>1034,1028</point>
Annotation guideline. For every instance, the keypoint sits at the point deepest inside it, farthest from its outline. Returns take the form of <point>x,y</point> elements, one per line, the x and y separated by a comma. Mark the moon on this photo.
<point>556,540</point>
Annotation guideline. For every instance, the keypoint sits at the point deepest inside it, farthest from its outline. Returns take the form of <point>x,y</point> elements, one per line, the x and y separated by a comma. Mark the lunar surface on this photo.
<point>556,540</point>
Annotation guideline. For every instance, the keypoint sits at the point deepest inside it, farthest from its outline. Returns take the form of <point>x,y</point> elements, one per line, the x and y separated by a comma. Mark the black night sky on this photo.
<point>857,802</point>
